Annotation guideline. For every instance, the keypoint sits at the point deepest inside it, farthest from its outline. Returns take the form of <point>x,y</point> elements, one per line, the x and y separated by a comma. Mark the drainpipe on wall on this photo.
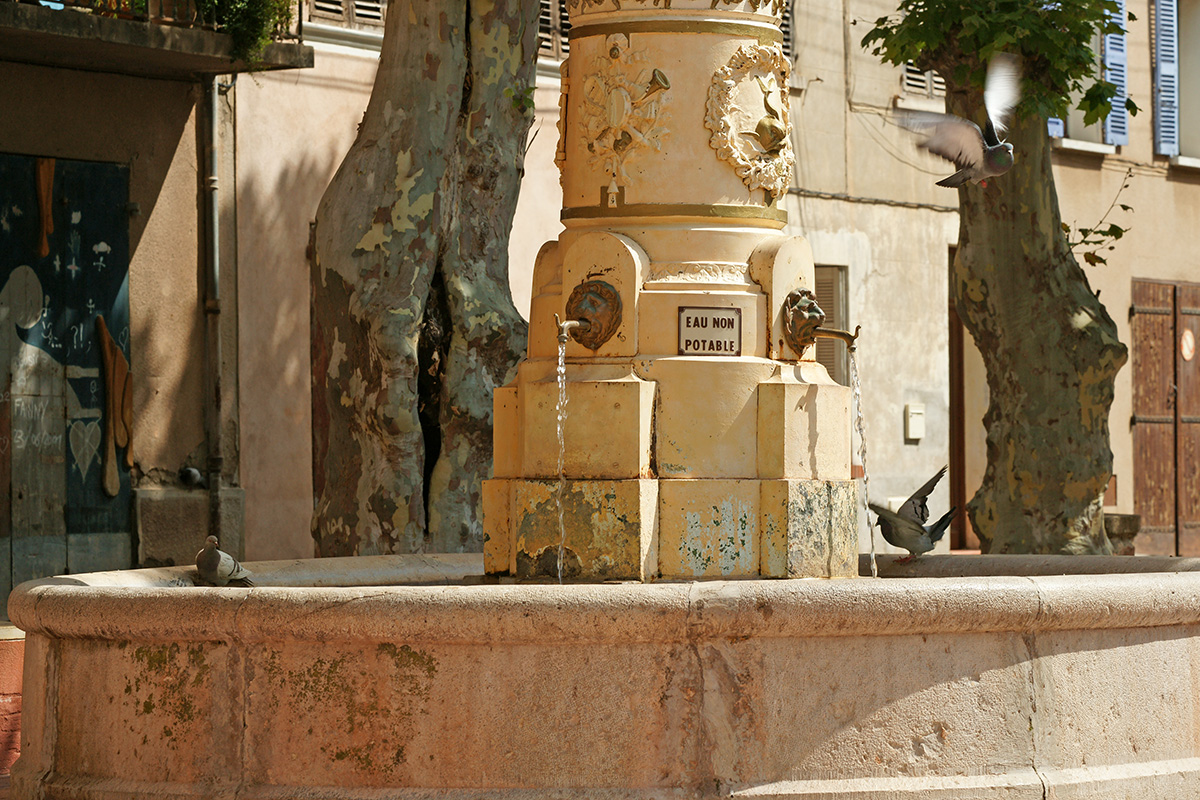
<point>212,316</point>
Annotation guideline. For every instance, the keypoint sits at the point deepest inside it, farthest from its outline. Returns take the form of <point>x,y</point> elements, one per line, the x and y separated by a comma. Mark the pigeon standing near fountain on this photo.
<point>915,508</point>
<point>218,568</point>
<point>912,536</point>
<point>978,154</point>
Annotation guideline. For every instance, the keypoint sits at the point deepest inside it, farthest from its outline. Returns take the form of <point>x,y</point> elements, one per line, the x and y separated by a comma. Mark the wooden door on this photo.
<point>64,265</point>
<point>1187,422</point>
<point>1153,326</point>
<point>1165,319</point>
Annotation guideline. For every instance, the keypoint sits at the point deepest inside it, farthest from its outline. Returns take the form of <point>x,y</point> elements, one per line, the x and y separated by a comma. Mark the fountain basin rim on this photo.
<point>683,612</point>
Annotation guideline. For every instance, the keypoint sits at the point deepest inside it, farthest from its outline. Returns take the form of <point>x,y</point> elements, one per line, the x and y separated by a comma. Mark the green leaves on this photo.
<point>522,100</point>
<point>249,22</point>
<point>1054,39</point>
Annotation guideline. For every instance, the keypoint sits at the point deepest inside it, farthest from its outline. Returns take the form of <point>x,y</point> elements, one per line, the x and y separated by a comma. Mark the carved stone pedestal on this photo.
<point>702,439</point>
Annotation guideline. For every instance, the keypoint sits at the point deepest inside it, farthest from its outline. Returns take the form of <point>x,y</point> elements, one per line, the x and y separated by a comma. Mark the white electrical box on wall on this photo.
<point>914,421</point>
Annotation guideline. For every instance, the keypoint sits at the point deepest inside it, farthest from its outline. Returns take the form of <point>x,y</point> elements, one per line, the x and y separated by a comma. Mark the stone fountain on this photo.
<point>703,438</point>
<point>702,442</point>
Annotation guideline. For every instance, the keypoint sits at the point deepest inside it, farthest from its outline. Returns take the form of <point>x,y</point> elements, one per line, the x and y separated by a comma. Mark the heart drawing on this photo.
<point>85,444</point>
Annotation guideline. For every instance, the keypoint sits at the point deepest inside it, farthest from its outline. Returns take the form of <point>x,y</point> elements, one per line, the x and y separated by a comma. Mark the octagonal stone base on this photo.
<point>1074,687</point>
<point>645,529</point>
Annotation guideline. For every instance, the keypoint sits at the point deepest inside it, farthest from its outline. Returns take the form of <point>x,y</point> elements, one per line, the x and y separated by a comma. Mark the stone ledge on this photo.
<point>673,612</point>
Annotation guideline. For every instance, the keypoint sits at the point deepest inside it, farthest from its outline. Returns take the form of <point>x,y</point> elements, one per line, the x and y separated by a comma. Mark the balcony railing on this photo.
<point>157,38</point>
<point>160,12</point>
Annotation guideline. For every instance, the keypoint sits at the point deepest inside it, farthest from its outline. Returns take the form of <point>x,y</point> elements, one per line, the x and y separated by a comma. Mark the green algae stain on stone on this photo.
<point>162,684</point>
<point>363,691</point>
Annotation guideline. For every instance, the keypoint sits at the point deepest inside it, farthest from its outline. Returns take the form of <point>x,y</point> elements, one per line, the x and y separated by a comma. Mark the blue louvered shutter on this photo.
<point>1116,125</point>
<point>1166,77</point>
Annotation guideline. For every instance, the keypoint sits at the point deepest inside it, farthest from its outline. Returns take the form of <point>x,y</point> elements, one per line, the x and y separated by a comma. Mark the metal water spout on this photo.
<point>833,333</point>
<point>564,327</point>
<point>802,321</point>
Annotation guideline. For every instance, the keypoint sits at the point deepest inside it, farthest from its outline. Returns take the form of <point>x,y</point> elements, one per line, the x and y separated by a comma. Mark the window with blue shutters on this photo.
<point>1166,77</point>
<point>1116,126</point>
<point>1113,62</point>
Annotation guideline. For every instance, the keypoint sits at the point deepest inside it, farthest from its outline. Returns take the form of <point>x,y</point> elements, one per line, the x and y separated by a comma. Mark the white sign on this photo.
<point>710,331</point>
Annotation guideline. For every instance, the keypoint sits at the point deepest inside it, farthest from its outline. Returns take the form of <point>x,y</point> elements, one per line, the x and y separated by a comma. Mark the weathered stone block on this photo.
<point>498,552</point>
<point>708,528</point>
<point>659,330</point>
<point>780,265</point>
<point>607,428</point>
<point>803,429</point>
<point>506,442</point>
<point>707,420</point>
<point>617,261</point>
<point>172,524</point>
<point>809,529</point>
<point>610,529</point>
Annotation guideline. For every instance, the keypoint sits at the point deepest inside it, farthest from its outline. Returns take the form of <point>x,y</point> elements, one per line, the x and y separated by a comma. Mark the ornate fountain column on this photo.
<point>702,438</point>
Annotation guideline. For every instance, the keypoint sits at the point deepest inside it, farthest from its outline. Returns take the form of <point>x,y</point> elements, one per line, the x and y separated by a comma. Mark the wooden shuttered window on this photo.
<point>922,84</point>
<point>553,29</point>
<point>831,297</point>
<point>351,13</point>
<point>786,26</point>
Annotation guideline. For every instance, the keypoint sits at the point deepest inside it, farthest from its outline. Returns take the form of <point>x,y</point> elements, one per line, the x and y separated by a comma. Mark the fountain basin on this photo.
<point>1014,686</point>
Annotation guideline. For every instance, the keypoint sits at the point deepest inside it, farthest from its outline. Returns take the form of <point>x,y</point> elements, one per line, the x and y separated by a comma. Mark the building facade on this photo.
<point>221,383</point>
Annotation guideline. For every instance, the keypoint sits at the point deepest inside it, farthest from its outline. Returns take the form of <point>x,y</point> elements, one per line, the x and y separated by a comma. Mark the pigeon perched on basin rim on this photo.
<point>915,508</point>
<point>978,154</point>
<point>912,536</point>
<point>218,568</point>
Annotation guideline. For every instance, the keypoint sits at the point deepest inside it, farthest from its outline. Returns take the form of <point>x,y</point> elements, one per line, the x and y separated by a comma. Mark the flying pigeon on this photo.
<point>978,154</point>
<point>218,568</point>
<point>916,507</point>
<point>912,536</point>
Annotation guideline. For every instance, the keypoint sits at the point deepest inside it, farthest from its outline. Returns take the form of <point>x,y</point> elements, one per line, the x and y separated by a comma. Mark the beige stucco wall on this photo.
<point>294,128</point>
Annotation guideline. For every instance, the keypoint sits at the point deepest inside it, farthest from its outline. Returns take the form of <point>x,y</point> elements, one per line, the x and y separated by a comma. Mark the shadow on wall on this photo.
<point>274,298</point>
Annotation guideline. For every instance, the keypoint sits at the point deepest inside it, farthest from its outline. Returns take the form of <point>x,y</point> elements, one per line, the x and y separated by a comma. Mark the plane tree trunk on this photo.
<point>412,319</point>
<point>1051,352</point>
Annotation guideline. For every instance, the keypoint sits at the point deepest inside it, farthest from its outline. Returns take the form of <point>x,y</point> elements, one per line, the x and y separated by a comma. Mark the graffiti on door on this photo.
<point>65,404</point>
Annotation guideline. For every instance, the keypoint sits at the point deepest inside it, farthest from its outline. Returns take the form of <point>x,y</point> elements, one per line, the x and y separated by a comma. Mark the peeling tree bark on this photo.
<point>1051,352</point>
<point>411,240</point>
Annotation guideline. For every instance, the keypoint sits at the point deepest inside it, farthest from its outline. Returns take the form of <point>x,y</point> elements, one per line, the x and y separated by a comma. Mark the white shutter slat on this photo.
<point>915,81</point>
<point>331,7</point>
<point>1116,125</point>
<point>368,10</point>
<point>1166,77</point>
<point>785,25</point>
<point>545,29</point>
<point>564,28</point>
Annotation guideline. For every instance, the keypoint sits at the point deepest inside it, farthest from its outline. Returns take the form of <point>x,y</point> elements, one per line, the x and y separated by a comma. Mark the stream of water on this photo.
<point>561,413</point>
<point>861,426</point>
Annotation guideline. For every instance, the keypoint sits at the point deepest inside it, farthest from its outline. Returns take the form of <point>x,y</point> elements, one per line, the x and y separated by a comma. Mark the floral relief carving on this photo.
<point>749,118</point>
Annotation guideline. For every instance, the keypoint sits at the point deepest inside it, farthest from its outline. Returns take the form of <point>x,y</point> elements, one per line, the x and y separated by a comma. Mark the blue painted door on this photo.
<point>65,384</point>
